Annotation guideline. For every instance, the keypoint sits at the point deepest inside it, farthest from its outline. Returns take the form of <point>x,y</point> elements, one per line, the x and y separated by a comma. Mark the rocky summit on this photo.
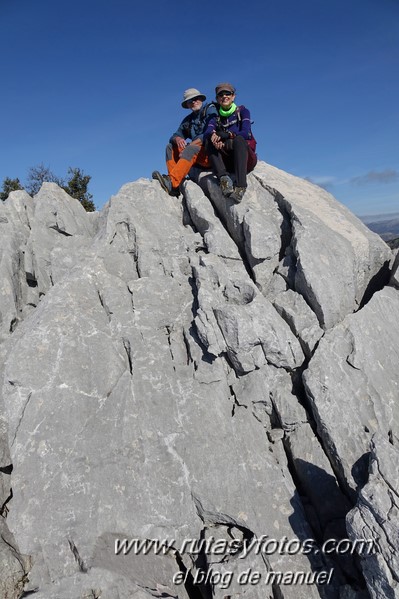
<point>198,398</point>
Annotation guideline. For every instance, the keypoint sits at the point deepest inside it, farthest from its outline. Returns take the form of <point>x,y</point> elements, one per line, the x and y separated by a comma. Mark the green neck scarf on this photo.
<point>228,112</point>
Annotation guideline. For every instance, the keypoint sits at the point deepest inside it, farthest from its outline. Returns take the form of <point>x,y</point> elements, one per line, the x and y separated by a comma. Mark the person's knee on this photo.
<point>169,152</point>
<point>239,142</point>
<point>190,151</point>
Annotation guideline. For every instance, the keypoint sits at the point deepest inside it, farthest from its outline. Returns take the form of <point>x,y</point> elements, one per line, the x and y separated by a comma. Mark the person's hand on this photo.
<point>215,139</point>
<point>223,135</point>
<point>217,142</point>
<point>181,143</point>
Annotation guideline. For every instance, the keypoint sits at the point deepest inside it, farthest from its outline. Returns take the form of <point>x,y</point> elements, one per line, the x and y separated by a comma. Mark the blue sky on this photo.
<point>97,84</point>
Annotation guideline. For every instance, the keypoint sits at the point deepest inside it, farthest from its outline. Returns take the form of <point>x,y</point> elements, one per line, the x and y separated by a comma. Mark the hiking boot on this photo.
<point>238,194</point>
<point>175,192</point>
<point>226,185</point>
<point>165,183</point>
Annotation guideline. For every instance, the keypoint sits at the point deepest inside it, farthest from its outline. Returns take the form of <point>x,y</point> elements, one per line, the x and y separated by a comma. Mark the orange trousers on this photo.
<point>179,163</point>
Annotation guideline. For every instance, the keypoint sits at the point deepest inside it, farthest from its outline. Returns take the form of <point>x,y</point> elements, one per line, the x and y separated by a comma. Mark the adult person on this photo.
<point>230,143</point>
<point>180,155</point>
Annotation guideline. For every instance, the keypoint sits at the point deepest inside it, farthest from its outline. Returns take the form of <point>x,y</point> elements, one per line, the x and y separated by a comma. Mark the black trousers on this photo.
<point>232,159</point>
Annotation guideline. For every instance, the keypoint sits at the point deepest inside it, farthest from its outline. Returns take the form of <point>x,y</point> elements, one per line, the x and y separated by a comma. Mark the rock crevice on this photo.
<point>196,371</point>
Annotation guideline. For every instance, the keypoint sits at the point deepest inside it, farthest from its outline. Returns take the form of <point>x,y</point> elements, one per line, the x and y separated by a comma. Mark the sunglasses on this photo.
<point>224,93</point>
<point>193,100</point>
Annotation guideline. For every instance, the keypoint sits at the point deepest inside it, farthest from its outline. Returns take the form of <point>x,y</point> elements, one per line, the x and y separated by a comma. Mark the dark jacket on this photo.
<point>193,126</point>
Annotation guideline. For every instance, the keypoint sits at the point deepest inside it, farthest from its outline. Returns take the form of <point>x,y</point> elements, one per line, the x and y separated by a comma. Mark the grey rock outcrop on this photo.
<point>349,372</point>
<point>300,317</point>
<point>339,275</point>
<point>165,374</point>
<point>376,517</point>
<point>395,272</point>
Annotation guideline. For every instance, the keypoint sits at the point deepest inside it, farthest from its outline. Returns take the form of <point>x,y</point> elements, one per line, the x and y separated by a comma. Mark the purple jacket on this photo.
<point>238,126</point>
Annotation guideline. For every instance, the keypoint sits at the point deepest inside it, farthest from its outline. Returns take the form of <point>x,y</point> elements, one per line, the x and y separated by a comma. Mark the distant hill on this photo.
<point>386,225</point>
<point>374,218</point>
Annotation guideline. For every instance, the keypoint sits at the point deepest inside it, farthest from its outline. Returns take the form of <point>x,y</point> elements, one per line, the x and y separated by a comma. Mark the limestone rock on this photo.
<point>60,234</point>
<point>352,383</point>
<point>374,521</point>
<point>339,261</point>
<point>289,412</point>
<point>13,567</point>
<point>395,272</point>
<point>108,417</point>
<point>152,362</point>
<point>15,215</point>
<point>302,320</point>
<point>216,238</point>
<point>41,239</point>
<point>233,317</point>
<point>255,226</point>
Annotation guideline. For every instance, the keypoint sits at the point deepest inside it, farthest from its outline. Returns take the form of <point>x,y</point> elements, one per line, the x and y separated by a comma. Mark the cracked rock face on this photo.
<point>349,371</point>
<point>376,517</point>
<point>193,372</point>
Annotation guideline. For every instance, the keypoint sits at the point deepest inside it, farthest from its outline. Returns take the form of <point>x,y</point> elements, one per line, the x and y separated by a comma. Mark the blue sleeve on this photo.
<point>181,131</point>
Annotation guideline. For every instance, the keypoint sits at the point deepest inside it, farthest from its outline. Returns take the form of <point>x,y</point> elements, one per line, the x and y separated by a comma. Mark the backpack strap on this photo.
<point>239,118</point>
<point>205,109</point>
<point>239,108</point>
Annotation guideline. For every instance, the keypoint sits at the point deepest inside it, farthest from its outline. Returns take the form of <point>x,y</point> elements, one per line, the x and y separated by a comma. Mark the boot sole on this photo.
<point>158,177</point>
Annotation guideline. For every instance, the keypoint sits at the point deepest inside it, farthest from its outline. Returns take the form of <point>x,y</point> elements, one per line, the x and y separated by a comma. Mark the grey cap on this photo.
<point>191,93</point>
<point>221,87</point>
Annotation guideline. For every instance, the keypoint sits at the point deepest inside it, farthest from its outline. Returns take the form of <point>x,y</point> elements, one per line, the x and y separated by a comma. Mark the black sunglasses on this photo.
<point>193,100</point>
<point>224,93</point>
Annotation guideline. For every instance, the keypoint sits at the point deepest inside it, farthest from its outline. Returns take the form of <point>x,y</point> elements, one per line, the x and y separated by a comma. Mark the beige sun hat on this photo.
<point>191,93</point>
